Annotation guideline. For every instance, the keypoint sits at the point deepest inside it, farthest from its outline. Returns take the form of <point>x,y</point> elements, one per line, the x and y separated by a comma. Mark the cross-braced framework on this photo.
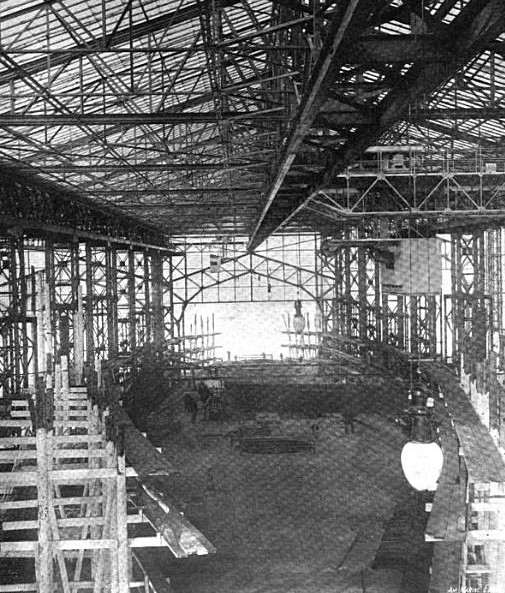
<point>356,303</point>
<point>221,271</point>
<point>237,116</point>
<point>85,301</point>
<point>471,305</point>
<point>461,321</point>
<point>100,297</point>
<point>431,188</point>
<point>17,330</point>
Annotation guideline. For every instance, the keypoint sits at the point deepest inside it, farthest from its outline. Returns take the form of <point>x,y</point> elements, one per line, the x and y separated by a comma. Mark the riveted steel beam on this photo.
<point>478,24</point>
<point>344,26</point>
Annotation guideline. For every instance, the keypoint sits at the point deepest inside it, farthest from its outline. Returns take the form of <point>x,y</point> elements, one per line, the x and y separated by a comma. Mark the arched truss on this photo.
<point>290,268</point>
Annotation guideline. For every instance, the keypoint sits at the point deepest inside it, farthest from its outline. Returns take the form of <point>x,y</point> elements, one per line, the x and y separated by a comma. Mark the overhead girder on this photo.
<point>42,209</point>
<point>346,23</point>
<point>429,202</point>
<point>104,119</point>
<point>111,168</point>
<point>345,115</point>
<point>477,25</point>
<point>332,113</point>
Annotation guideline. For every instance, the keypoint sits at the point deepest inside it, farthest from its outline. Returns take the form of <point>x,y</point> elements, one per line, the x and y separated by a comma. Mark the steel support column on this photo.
<point>16,331</point>
<point>470,303</point>
<point>423,325</point>
<point>111,296</point>
<point>157,305</point>
<point>100,303</point>
<point>133,300</point>
<point>393,319</point>
<point>63,280</point>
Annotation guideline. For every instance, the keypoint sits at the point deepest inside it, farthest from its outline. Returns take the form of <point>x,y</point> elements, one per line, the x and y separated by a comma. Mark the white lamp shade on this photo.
<point>422,464</point>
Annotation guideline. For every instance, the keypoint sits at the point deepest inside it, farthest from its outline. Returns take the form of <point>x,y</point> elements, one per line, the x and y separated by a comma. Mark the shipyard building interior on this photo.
<point>252,313</point>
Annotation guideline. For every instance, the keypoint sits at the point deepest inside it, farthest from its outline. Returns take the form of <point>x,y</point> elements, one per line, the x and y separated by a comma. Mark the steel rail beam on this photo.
<point>175,191</point>
<point>196,208</point>
<point>368,48</point>
<point>479,23</point>
<point>354,117</point>
<point>84,51</point>
<point>129,119</point>
<point>341,116</point>
<point>344,26</point>
<point>71,168</point>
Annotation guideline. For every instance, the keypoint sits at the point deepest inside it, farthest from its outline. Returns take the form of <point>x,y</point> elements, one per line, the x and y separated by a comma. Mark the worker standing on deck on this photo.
<point>190,405</point>
<point>204,393</point>
<point>349,414</point>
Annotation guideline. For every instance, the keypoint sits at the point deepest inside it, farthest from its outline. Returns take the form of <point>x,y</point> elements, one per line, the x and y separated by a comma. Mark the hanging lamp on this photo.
<point>421,458</point>
<point>298,319</point>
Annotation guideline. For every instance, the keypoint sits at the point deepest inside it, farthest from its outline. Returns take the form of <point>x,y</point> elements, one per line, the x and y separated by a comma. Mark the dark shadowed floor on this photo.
<point>293,522</point>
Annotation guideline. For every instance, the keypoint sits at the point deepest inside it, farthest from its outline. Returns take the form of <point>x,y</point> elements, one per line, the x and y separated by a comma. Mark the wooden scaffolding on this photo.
<point>65,505</point>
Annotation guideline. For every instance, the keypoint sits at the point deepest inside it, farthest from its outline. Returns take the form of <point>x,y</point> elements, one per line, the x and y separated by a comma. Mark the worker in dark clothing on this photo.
<point>190,406</point>
<point>204,392</point>
<point>349,414</point>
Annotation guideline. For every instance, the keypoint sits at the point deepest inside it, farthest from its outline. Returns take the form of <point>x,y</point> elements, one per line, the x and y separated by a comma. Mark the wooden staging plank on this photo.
<point>30,524</point>
<point>183,538</point>
<point>482,458</point>
<point>447,517</point>
<point>29,547</point>
<point>29,478</point>
<point>34,503</point>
